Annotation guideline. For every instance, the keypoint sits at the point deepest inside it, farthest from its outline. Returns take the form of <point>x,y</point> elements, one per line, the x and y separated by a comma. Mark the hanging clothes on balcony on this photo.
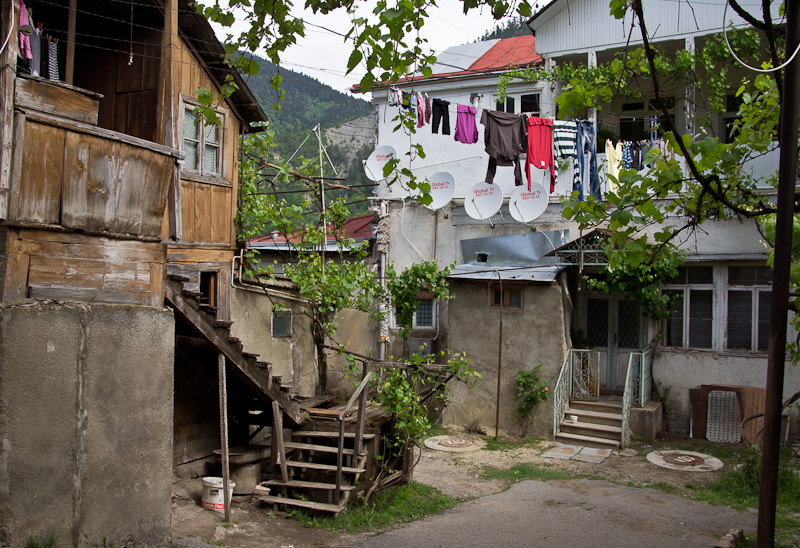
<point>420,110</point>
<point>627,160</point>
<point>24,39</point>
<point>466,130</point>
<point>52,58</point>
<point>540,149</point>
<point>506,137</point>
<point>587,144</point>
<point>427,109</point>
<point>441,113</point>
<point>565,145</point>
<point>614,159</point>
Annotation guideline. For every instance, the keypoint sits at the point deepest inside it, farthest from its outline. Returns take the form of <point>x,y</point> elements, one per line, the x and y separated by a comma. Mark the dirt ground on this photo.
<point>455,474</point>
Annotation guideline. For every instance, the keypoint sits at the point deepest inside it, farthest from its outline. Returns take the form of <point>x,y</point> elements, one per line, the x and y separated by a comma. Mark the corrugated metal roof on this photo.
<point>541,274</point>
<point>357,228</point>
<point>519,51</point>
<point>459,58</point>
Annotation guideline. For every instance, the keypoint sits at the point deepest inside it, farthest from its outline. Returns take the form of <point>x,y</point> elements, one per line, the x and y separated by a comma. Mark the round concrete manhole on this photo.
<point>685,461</point>
<point>454,444</point>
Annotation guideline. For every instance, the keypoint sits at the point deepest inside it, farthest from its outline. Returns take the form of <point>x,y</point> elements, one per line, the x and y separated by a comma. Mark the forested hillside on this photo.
<point>512,27</point>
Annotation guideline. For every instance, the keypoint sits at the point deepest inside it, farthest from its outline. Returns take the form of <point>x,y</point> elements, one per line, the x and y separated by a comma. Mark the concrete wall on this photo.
<point>86,424</point>
<point>293,358</point>
<point>531,336</point>
<point>682,370</point>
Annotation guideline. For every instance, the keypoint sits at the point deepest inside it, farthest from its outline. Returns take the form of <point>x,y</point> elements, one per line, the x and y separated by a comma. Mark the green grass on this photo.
<point>396,504</point>
<point>526,471</point>
<point>437,430</point>
<point>42,541</point>
<point>508,444</point>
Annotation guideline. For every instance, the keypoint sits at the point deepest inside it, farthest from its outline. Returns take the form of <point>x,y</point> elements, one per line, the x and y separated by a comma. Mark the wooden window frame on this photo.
<point>281,313</point>
<point>198,173</point>
<point>507,289</point>
<point>424,296</point>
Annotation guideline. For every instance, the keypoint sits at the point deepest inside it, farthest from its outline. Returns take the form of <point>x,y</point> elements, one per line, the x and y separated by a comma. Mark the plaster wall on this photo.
<point>682,370</point>
<point>86,417</point>
<point>531,336</point>
<point>293,358</point>
<point>359,333</point>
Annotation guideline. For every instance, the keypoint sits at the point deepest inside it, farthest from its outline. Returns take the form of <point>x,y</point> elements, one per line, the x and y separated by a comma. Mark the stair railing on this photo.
<point>634,360</point>
<point>561,393</point>
<point>360,394</point>
<point>645,377</point>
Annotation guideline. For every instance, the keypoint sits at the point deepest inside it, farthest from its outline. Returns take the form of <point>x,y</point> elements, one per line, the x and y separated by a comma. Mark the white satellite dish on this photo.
<point>526,205</point>
<point>483,200</point>
<point>443,188</point>
<point>374,164</point>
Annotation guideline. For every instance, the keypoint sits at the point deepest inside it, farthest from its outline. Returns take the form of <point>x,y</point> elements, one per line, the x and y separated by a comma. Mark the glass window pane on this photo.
<point>281,323</point>
<point>764,312</point>
<point>597,322</point>
<point>425,313</point>
<point>741,275</point>
<point>628,324</point>
<point>700,274</point>
<point>510,104</point>
<point>740,320</point>
<point>763,275</point>
<point>190,127</point>
<point>496,300</point>
<point>529,103</point>
<point>514,298</point>
<point>501,106</point>
<point>190,149</point>
<point>680,277</point>
<point>210,160</point>
<point>211,134</point>
<point>701,316</point>
<point>675,320</point>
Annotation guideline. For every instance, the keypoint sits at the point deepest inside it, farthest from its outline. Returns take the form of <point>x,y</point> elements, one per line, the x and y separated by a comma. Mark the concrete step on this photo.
<point>596,417</point>
<point>587,441</point>
<point>599,406</point>
<point>590,429</point>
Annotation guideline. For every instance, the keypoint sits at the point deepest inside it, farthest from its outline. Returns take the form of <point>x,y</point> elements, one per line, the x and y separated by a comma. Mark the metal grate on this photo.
<point>628,327</point>
<point>597,321</point>
<point>723,417</point>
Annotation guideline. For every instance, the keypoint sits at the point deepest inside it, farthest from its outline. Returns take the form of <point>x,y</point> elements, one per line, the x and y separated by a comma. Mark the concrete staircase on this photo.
<point>599,424</point>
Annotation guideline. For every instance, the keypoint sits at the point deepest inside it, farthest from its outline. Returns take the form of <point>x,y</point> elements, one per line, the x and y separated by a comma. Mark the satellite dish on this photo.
<point>374,164</point>
<point>526,205</point>
<point>483,200</point>
<point>443,188</point>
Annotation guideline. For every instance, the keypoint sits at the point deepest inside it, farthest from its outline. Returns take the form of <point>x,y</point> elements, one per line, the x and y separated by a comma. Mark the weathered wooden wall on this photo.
<point>46,264</point>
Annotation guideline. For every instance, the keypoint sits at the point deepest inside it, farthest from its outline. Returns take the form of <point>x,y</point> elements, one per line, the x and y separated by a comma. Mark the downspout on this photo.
<point>383,249</point>
<point>499,359</point>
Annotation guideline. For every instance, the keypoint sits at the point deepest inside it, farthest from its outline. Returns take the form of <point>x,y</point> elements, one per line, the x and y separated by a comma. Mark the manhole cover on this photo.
<point>456,442</point>
<point>685,461</point>
<point>682,459</point>
<point>453,444</point>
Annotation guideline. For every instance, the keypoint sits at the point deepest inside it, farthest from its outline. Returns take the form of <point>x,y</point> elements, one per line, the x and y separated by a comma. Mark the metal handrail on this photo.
<point>646,377</point>
<point>627,397</point>
<point>359,394</point>
<point>561,393</point>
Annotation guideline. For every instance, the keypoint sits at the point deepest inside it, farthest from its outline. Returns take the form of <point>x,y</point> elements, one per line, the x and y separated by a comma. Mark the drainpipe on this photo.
<point>499,360</point>
<point>383,332</point>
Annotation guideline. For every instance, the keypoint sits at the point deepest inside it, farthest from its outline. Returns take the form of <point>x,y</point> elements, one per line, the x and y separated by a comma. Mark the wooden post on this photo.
<point>223,434</point>
<point>69,71</point>
<point>277,439</point>
<point>8,71</point>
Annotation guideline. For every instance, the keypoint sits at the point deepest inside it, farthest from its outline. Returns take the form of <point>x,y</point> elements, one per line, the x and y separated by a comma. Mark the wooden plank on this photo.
<point>89,274</point>
<point>277,439</point>
<point>314,447</point>
<point>220,256</point>
<point>202,213</point>
<point>326,434</point>
<point>155,191</point>
<point>37,193</point>
<point>309,485</point>
<point>187,211</point>
<point>220,214</point>
<point>89,295</point>
<point>328,467</point>
<point>224,294</point>
<point>88,167</point>
<point>269,499</point>
<point>69,70</point>
<point>157,284</point>
<point>98,249</point>
<point>251,374</point>
<point>44,96</point>
<point>17,151</point>
<point>15,282</point>
<point>175,204</point>
<point>8,71</point>
<point>223,429</point>
<point>328,412</point>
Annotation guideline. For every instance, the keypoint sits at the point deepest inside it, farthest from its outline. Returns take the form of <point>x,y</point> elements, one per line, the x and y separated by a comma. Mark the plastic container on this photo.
<point>214,494</point>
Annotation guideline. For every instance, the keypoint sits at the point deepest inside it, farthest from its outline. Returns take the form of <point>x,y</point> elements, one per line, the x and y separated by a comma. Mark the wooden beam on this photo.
<point>69,71</point>
<point>8,62</point>
<point>251,374</point>
<point>223,434</point>
<point>277,440</point>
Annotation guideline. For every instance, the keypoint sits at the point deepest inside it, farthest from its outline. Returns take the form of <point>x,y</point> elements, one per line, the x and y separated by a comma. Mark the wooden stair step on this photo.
<point>323,434</point>
<point>322,412</point>
<point>250,355</point>
<point>327,467</point>
<point>313,447</point>
<point>593,414</point>
<point>593,426</point>
<point>579,439</point>
<point>234,340</point>
<point>315,401</point>
<point>269,499</point>
<point>208,307</point>
<point>223,324</point>
<point>308,485</point>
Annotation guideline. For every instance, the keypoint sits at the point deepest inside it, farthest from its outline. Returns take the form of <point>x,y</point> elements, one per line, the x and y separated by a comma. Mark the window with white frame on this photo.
<point>424,315</point>
<point>719,308</point>
<point>202,144</point>
<point>528,103</point>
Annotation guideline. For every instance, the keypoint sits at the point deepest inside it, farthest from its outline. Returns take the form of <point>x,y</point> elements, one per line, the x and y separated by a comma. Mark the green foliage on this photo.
<point>526,471</point>
<point>514,26</point>
<point>398,393</point>
<point>44,541</point>
<point>404,289</point>
<point>531,391</point>
<point>394,505</point>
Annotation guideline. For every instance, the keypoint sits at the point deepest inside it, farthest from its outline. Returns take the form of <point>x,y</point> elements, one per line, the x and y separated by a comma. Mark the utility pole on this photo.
<point>787,180</point>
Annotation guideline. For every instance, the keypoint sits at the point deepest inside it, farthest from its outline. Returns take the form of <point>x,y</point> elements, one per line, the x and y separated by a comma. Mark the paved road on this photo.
<point>570,513</point>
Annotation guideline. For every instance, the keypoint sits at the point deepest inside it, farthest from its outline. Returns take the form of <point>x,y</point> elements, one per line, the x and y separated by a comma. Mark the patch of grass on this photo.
<point>665,488</point>
<point>42,541</point>
<point>525,471</point>
<point>397,504</point>
<point>438,430</point>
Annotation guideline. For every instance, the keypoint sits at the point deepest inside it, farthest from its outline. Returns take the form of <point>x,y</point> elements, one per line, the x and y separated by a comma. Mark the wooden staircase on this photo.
<point>183,296</point>
<point>599,424</point>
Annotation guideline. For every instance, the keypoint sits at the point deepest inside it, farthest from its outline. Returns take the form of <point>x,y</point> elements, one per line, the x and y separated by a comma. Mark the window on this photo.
<point>529,104</point>
<point>424,316</point>
<point>732,106</point>
<point>281,323</point>
<point>202,144</point>
<point>639,119</point>
<point>719,308</point>
<point>505,106</point>
<point>512,298</point>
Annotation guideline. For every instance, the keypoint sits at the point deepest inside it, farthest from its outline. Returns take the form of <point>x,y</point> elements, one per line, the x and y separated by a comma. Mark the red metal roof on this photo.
<point>355,228</point>
<point>519,51</point>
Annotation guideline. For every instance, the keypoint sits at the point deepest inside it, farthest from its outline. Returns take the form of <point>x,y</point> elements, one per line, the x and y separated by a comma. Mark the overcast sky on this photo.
<point>323,55</point>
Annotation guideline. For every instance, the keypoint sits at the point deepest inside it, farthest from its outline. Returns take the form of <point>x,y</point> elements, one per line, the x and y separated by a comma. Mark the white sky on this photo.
<point>323,55</point>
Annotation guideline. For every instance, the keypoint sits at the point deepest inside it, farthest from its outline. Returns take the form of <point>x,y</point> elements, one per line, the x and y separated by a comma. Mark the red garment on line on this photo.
<point>540,148</point>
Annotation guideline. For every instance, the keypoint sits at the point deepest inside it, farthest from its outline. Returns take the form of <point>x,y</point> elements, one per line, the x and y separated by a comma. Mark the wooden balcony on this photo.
<point>68,172</point>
